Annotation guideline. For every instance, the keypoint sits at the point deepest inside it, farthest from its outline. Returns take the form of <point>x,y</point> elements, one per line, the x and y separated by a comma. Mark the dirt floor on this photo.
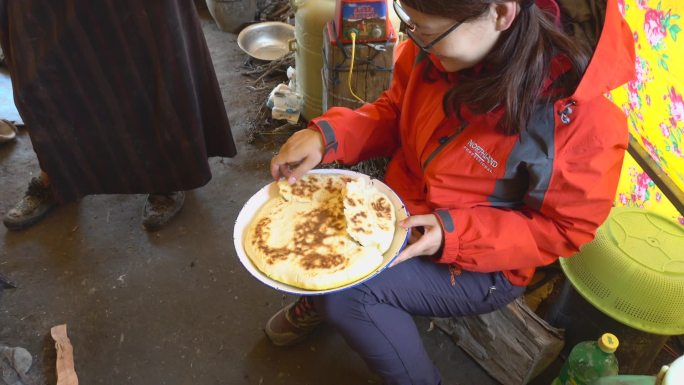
<point>175,306</point>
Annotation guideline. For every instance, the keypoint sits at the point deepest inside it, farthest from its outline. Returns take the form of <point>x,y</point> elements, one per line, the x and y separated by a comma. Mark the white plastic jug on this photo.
<point>674,374</point>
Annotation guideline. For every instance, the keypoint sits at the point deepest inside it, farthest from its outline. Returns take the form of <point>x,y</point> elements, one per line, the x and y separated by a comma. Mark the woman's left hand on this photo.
<point>427,243</point>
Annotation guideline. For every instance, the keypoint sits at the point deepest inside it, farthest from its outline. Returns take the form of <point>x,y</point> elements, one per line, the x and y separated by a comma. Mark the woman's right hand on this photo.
<point>302,152</point>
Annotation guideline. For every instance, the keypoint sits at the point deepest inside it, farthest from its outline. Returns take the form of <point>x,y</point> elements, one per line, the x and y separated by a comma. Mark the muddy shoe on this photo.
<point>293,323</point>
<point>36,203</point>
<point>160,208</point>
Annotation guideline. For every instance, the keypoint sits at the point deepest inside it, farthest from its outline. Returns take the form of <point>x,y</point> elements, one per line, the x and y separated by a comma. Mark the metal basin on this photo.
<point>266,41</point>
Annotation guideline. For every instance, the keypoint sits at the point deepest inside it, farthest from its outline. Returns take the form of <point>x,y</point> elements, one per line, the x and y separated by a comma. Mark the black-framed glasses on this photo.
<point>411,28</point>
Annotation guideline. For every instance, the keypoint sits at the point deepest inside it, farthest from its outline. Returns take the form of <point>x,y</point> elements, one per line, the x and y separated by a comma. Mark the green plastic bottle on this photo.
<point>590,360</point>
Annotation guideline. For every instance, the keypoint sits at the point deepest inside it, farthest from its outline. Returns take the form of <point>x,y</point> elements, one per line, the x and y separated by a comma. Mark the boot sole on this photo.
<point>18,226</point>
<point>283,344</point>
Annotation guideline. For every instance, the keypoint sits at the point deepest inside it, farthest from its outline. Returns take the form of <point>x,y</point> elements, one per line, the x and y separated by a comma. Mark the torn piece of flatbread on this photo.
<point>370,215</point>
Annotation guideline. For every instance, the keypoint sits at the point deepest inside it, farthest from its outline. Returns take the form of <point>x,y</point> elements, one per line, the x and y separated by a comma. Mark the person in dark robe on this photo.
<point>118,96</point>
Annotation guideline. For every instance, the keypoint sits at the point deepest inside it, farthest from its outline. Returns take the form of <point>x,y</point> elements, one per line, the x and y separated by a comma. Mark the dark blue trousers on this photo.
<point>375,318</point>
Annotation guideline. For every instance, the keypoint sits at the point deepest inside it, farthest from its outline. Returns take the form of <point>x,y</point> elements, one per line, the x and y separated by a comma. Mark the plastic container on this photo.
<point>633,271</point>
<point>674,373</point>
<point>626,379</point>
<point>590,360</point>
<point>310,18</point>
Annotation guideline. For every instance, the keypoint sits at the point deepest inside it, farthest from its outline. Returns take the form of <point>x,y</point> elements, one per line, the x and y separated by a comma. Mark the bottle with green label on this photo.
<point>590,360</point>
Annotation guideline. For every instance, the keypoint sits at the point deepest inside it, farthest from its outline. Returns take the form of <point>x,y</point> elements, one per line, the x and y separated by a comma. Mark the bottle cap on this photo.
<point>608,343</point>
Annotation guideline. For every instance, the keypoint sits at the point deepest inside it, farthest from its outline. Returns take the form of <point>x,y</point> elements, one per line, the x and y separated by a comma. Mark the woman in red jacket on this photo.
<point>505,151</point>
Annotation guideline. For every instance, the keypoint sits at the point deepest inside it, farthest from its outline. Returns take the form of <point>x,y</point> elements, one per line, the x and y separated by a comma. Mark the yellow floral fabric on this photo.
<point>653,101</point>
<point>637,190</point>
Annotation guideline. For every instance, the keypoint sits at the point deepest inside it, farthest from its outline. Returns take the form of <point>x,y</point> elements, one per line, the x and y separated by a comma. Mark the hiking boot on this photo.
<point>36,203</point>
<point>159,209</point>
<point>293,323</point>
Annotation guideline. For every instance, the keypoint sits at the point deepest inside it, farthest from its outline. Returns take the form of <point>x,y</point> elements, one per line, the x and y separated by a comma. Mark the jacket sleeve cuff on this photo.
<point>329,138</point>
<point>451,242</point>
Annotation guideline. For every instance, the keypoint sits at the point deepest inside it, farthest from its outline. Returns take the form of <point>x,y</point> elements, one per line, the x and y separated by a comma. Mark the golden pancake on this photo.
<point>301,237</point>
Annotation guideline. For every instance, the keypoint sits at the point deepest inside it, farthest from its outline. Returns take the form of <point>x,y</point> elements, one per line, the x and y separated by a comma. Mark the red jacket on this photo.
<point>505,203</point>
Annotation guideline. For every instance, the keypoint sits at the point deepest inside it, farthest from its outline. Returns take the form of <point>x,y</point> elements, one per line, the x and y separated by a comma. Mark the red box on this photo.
<point>368,18</point>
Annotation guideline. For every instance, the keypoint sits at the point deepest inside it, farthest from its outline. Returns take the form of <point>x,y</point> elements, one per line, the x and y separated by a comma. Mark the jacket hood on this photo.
<point>613,61</point>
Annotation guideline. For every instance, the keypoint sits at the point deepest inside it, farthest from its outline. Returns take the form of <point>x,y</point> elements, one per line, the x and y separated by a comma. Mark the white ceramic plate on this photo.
<point>251,208</point>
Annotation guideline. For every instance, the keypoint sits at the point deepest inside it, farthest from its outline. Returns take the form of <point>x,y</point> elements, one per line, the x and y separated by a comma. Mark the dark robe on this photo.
<point>118,96</point>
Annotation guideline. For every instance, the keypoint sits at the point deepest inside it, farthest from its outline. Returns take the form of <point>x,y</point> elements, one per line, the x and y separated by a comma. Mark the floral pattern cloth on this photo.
<point>637,190</point>
<point>653,102</point>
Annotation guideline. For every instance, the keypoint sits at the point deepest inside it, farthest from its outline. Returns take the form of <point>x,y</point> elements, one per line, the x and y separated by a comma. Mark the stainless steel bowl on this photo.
<point>266,41</point>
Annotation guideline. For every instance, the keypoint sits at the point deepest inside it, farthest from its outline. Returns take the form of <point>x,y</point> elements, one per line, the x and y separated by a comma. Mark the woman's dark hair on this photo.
<point>513,74</point>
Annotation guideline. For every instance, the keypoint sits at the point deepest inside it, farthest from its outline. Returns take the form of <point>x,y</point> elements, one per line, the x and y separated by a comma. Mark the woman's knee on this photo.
<point>338,306</point>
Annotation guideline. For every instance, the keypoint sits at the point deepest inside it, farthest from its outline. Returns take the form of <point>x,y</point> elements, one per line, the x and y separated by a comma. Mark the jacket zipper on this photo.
<point>443,142</point>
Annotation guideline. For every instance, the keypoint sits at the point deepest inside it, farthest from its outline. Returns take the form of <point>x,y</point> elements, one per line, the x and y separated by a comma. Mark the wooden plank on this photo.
<point>512,344</point>
<point>669,188</point>
<point>377,78</point>
<point>372,72</point>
